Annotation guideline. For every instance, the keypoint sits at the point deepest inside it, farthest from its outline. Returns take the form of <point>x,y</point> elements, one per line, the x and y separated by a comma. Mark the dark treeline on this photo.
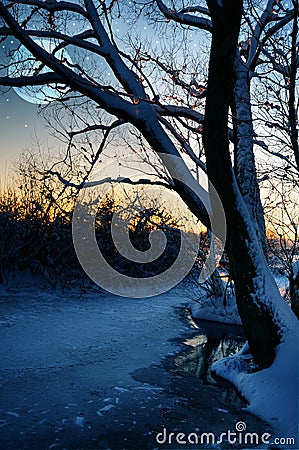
<point>36,234</point>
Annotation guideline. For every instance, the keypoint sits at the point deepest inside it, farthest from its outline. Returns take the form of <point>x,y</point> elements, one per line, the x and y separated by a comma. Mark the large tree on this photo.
<point>133,100</point>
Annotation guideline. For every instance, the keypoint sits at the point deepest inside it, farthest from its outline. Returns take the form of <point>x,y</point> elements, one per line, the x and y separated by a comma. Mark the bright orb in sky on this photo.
<point>23,63</point>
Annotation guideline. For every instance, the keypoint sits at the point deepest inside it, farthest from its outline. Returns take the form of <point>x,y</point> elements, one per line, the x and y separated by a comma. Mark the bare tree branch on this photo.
<point>142,181</point>
<point>99,127</point>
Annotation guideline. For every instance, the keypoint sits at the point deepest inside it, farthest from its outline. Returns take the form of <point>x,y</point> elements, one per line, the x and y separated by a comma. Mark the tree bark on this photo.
<point>294,288</point>
<point>263,315</point>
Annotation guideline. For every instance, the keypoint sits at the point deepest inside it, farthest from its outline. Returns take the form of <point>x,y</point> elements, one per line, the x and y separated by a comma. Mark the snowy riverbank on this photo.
<point>100,371</point>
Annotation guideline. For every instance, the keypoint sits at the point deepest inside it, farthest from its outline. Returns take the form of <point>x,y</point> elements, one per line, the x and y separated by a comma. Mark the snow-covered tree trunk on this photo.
<point>244,160</point>
<point>265,316</point>
<point>293,115</point>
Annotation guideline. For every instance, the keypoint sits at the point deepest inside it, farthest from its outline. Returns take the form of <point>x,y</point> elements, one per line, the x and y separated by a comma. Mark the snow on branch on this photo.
<point>256,42</point>
<point>257,32</point>
<point>77,40</point>
<point>180,111</point>
<point>195,9</point>
<point>120,69</point>
<point>53,5</point>
<point>185,18</point>
<point>183,111</point>
<point>36,80</point>
<point>279,25</point>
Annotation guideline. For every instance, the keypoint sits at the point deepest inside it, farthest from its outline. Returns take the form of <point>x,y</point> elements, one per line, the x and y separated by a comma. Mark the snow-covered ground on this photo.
<point>211,308</point>
<point>102,372</point>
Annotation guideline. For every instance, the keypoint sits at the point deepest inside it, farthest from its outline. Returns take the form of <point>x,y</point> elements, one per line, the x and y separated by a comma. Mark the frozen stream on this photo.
<point>103,372</point>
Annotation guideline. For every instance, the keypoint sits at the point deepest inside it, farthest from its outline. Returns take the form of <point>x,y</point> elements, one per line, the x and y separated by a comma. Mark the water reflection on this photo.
<point>213,341</point>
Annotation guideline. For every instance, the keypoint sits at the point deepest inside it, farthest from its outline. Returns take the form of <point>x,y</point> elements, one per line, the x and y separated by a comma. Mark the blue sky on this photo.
<point>19,126</point>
